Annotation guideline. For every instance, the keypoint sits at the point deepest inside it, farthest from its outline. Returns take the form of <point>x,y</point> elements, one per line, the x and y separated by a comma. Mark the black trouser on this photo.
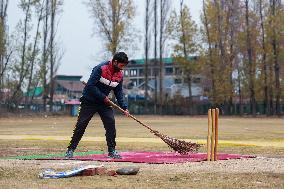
<point>85,114</point>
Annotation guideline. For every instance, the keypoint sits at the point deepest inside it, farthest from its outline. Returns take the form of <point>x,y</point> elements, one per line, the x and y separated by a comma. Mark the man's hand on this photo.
<point>126,113</point>
<point>107,101</point>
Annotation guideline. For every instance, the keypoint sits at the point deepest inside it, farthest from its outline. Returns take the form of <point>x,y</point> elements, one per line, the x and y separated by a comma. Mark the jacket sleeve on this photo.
<point>91,84</point>
<point>118,92</point>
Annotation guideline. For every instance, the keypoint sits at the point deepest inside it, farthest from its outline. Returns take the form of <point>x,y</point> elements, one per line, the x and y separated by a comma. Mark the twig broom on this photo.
<point>177,145</point>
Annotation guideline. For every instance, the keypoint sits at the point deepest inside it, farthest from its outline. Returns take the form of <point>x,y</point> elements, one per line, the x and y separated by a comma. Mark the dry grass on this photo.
<point>145,180</point>
<point>23,174</point>
<point>182,127</point>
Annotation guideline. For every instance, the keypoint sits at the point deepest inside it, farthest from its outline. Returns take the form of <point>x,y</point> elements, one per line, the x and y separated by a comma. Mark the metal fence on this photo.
<point>137,107</point>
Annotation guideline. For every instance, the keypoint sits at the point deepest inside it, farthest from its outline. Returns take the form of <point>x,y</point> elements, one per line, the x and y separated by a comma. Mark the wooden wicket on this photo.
<point>212,136</point>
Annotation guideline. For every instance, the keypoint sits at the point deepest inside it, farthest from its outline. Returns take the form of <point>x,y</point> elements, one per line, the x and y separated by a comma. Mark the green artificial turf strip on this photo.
<point>36,156</point>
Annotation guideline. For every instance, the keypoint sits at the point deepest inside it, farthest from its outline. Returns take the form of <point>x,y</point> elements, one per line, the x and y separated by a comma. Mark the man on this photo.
<point>105,77</point>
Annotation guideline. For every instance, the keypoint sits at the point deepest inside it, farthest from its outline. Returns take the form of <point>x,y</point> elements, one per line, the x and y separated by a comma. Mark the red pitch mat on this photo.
<point>155,157</point>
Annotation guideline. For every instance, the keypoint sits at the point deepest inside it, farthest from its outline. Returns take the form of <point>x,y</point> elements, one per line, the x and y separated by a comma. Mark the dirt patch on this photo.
<point>250,173</point>
<point>253,165</point>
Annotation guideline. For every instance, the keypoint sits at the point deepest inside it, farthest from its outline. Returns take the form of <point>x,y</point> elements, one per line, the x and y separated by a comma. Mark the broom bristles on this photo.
<point>179,146</point>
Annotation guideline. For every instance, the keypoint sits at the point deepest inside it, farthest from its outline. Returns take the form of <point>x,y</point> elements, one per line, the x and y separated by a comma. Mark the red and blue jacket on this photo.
<point>103,79</point>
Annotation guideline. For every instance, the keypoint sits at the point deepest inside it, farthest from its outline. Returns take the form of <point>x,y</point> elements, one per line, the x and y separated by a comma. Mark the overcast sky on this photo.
<point>82,50</point>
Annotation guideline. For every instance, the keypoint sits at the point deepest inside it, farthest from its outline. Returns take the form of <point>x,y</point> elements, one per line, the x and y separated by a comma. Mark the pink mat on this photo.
<point>156,157</point>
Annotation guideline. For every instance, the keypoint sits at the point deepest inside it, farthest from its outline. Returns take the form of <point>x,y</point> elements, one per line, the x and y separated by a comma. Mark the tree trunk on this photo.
<point>155,57</point>
<point>220,34</point>
<point>232,21</point>
<point>240,91</point>
<point>264,62</point>
<point>52,61</point>
<point>45,56</point>
<point>212,69</point>
<point>114,41</point>
<point>276,61</point>
<point>250,62</point>
<point>147,14</point>
<point>3,52</point>
<point>185,54</point>
<point>222,58</point>
<point>23,70</point>
<point>271,91</point>
<point>161,58</point>
<point>33,55</point>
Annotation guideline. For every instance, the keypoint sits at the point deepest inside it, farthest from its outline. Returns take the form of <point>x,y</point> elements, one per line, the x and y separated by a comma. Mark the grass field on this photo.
<point>263,137</point>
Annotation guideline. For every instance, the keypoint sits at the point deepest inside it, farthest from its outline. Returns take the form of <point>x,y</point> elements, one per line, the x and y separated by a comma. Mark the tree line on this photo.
<point>244,51</point>
<point>30,55</point>
<point>239,45</point>
<point>240,48</point>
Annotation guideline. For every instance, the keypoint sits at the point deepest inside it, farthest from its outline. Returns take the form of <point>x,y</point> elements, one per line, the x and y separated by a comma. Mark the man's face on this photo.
<point>118,66</point>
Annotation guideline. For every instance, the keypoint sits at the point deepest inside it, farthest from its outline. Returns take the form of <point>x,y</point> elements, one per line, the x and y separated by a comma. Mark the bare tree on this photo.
<point>6,60</point>
<point>3,34</point>
<point>113,23</point>
<point>264,60</point>
<point>250,61</point>
<point>54,8</point>
<point>164,10</point>
<point>232,22</point>
<point>52,36</point>
<point>220,32</point>
<point>43,66</point>
<point>210,55</point>
<point>35,48</point>
<point>23,70</point>
<point>147,47</point>
<point>275,5</point>
<point>155,56</point>
<point>183,32</point>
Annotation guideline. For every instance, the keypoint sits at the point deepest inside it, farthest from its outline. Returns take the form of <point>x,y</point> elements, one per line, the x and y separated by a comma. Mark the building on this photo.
<point>67,87</point>
<point>173,82</point>
<point>68,90</point>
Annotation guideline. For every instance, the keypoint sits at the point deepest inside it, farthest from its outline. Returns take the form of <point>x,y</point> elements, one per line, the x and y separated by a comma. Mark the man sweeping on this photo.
<point>104,78</point>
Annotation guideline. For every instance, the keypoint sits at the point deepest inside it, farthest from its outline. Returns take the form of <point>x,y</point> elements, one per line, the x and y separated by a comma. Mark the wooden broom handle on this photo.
<point>120,109</point>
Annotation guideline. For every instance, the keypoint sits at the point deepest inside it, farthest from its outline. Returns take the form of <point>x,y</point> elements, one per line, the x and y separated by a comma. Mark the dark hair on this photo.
<point>120,57</point>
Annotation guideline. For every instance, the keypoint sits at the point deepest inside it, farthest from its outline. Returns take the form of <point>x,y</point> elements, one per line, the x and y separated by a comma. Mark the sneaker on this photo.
<point>114,155</point>
<point>69,153</point>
